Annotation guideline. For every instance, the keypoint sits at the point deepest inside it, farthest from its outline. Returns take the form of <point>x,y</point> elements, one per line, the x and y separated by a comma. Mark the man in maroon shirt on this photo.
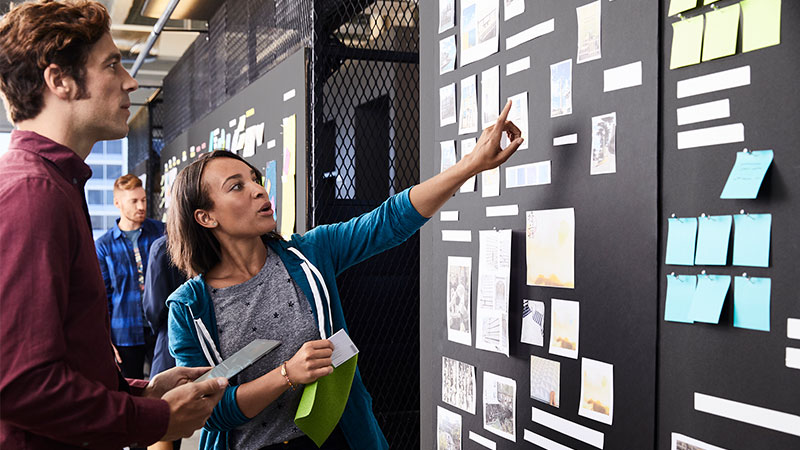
<point>65,89</point>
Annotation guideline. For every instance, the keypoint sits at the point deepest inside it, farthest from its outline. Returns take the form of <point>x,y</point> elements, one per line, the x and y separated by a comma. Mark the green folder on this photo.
<point>323,402</point>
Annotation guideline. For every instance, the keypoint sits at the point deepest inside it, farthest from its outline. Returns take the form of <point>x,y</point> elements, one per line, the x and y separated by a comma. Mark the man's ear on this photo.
<point>205,220</point>
<point>59,83</point>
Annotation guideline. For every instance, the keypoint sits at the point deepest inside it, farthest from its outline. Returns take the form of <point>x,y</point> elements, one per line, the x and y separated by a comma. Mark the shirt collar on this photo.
<point>117,232</point>
<point>71,166</point>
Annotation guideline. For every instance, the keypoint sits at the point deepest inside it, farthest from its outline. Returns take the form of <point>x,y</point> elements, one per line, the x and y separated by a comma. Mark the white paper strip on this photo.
<point>713,82</point>
<point>543,442</point>
<point>289,95</point>
<point>518,65</point>
<point>502,210</point>
<point>742,412</point>
<point>271,144</point>
<point>793,328</point>
<point>564,426</point>
<point>793,357</point>
<point>473,436</point>
<point>565,140</point>
<point>724,134</point>
<point>448,216</point>
<point>719,109</point>
<point>531,33</point>
<point>457,235</point>
<point>622,77</point>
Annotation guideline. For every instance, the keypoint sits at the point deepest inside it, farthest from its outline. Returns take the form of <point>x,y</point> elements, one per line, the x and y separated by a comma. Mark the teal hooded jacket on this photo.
<point>332,249</point>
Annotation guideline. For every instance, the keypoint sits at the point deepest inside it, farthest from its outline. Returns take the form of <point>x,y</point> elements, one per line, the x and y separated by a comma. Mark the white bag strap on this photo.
<point>308,268</point>
<point>204,336</point>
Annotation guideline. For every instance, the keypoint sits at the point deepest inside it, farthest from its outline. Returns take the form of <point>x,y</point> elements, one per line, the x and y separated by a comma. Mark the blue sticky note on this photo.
<point>680,290</point>
<point>709,296</point>
<point>751,239</point>
<point>747,174</point>
<point>751,303</point>
<point>713,234</point>
<point>680,241</point>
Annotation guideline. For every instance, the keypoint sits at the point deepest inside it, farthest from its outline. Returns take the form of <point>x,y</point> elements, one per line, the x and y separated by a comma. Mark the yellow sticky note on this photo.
<point>687,42</point>
<point>762,24</point>
<point>679,6</point>
<point>722,29</point>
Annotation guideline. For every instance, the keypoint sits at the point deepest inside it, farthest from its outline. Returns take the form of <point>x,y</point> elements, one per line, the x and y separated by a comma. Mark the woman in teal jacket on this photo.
<point>221,231</point>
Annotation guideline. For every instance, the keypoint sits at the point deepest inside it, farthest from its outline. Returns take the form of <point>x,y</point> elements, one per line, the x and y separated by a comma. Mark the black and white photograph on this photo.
<point>458,384</point>
<point>459,288</point>
<point>500,405</point>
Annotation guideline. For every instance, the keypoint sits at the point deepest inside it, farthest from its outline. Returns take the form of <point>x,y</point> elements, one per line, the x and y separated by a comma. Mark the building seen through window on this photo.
<point>108,161</point>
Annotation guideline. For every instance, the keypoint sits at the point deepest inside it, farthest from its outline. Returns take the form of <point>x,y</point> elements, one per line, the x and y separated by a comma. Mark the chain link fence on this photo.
<point>365,91</point>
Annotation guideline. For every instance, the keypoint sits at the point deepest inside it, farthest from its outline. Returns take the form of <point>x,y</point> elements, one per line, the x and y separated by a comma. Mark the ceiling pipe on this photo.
<point>151,40</point>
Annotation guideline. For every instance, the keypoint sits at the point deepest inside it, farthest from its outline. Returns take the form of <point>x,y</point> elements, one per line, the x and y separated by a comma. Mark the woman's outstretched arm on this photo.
<point>430,195</point>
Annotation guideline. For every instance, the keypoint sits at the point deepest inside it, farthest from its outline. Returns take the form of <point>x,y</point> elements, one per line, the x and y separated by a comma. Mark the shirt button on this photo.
<point>85,444</point>
<point>75,181</point>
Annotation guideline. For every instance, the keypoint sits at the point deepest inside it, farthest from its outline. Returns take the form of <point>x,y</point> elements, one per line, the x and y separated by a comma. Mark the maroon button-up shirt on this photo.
<point>59,384</point>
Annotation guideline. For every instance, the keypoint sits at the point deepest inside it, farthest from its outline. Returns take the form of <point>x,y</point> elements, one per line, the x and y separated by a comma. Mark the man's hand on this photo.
<point>172,378</point>
<point>190,405</point>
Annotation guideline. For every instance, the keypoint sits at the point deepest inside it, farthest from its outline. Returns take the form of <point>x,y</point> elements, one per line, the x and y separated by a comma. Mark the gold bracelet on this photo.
<point>285,375</point>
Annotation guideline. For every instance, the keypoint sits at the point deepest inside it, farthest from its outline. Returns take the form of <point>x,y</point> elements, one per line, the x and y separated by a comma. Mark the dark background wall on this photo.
<point>266,96</point>
<point>720,360</point>
<point>615,222</point>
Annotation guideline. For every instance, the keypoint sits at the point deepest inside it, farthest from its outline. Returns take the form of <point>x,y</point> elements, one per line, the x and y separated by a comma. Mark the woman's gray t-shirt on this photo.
<point>268,306</point>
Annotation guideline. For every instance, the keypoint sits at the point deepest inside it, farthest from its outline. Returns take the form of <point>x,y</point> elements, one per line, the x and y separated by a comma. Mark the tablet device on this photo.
<point>251,353</point>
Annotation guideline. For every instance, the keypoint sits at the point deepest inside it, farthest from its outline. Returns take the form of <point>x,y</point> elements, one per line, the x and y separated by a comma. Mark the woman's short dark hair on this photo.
<point>193,247</point>
<point>34,35</point>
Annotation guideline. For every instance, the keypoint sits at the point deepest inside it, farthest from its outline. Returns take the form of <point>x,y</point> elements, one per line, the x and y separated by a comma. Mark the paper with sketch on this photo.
<point>447,14</point>
<point>459,288</point>
<point>561,88</point>
<point>447,54</point>
<point>288,176</point>
<point>448,430</point>
<point>490,182</point>
<point>494,276</point>
<point>513,8</point>
<point>467,145</point>
<point>448,157</point>
<point>447,105</point>
<point>532,322</point>
<point>500,405</point>
<point>564,327</point>
<point>589,32</point>
<point>747,174</point>
<point>468,111</point>
<point>545,380</point>
<point>519,115</point>
<point>597,391</point>
<point>479,29</point>
<point>458,384</point>
<point>550,247</point>
<point>604,144</point>
<point>490,96</point>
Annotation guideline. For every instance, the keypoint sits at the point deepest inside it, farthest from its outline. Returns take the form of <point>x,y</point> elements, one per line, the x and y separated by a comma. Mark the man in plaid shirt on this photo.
<point>123,254</point>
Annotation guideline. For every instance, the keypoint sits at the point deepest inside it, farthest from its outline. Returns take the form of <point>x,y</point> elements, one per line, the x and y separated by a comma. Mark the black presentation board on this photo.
<point>720,360</point>
<point>615,222</point>
<point>279,93</point>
